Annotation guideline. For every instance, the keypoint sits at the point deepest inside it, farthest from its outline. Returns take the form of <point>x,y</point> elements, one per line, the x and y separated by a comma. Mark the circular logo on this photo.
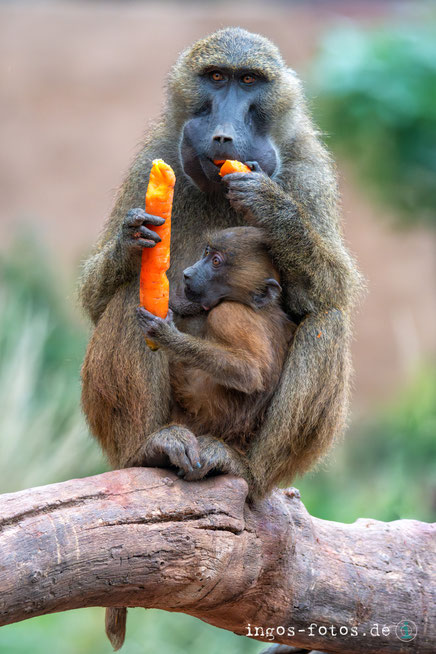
<point>406,630</point>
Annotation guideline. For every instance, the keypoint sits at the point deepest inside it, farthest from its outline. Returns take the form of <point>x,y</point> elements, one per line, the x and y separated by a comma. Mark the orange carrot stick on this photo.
<point>153,282</point>
<point>230,166</point>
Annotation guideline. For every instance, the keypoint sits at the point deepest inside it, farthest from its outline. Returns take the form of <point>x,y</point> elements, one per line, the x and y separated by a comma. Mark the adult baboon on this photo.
<point>230,96</point>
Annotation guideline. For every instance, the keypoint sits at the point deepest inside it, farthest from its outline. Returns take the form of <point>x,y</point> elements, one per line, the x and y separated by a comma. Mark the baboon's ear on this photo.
<point>270,294</point>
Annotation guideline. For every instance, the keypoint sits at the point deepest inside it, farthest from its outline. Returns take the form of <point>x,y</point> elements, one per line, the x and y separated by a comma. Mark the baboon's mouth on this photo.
<point>211,167</point>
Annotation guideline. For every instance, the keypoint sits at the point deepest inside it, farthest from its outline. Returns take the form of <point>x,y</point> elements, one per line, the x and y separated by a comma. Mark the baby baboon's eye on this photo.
<point>216,260</point>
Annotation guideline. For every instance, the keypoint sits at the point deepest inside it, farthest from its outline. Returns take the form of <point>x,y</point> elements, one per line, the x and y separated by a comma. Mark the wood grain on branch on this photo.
<point>143,537</point>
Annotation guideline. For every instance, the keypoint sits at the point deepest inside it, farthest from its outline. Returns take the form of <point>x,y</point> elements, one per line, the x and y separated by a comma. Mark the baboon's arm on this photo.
<point>231,366</point>
<point>303,233</point>
<point>309,407</point>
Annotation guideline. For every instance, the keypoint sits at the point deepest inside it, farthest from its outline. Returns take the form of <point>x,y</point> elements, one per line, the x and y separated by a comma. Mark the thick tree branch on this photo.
<point>142,537</point>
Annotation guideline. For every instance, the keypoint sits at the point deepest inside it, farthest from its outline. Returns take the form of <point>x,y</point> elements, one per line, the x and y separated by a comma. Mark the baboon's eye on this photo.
<point>216,260</point>
<point>216,76</point>
<point>206,251</point>
<point>248,79</point>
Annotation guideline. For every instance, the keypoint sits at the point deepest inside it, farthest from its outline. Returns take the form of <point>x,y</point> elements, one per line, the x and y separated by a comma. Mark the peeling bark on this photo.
<point>143,537</point>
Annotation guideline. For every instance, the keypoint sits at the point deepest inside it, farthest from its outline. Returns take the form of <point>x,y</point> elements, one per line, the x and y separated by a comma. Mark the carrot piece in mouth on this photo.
<point>230,166</point>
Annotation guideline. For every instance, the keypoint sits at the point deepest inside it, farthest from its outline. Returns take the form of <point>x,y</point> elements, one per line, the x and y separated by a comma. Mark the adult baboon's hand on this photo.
<point>245,190</point>
<point>134,235</point>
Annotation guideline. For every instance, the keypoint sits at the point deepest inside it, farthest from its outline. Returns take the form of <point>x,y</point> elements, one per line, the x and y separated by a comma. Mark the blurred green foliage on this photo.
<point>376,99</point>
<point>382,470</point>
<point>43,436</point>
<point>385,468</point>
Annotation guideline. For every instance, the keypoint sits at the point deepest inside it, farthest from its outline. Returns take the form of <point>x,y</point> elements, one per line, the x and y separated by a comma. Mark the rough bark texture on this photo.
<point>142,537</point>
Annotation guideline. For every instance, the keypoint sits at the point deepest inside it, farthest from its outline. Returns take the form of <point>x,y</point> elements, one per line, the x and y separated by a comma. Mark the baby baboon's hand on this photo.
<point>153,326</point>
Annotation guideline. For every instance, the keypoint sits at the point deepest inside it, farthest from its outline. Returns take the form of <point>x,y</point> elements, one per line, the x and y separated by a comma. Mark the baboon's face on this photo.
<point>206,282</point>
<point>235,267</point>
<point>229,124</point>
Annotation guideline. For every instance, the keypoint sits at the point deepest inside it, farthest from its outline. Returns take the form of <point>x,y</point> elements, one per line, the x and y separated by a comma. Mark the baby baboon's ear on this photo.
<point>270,294</point>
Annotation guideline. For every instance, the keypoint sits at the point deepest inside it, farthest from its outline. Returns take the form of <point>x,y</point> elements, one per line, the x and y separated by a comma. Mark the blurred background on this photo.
<point>79,82</point>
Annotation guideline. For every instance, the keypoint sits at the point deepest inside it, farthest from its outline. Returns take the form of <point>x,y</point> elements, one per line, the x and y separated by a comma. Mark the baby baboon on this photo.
<point>223,379</point>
